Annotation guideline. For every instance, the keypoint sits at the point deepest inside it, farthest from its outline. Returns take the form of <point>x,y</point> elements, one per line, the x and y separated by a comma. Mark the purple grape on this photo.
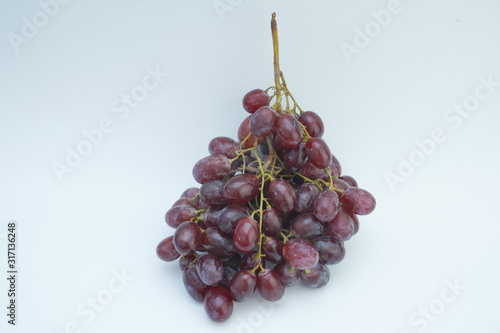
<point>358,201</point>
<point>341,227</point>
<point>306,226</point>
<point>250,260</point>
<point>229,217</point>
<point>246,235</point>
<point>184,261</point>
<point>255,99</point>
<point>194,286</point>
<point>331,250</point>
<point>270,285</point>
<point>349,180</point>
<point>218,243</point>
<point>288,131</point>
<point>318,153</point>
<point>300,253</point>
<point>179,214</point>
<point>288,273</point>
<point>241,188</point>
<point>212,194</point>
<point>273,249</point>
<point>224,146</point>
<point>218,304</point>
<point>326,206</point>
<point>282,195</point>
<point>315,277</point>
<point>187,238</point>
<point>242,285</point>
<point>294,158</point>
<point>313,123</point>
<point>209,269</point>
<point>244,131</point>
<point>306,193</point>
<point>213,167</point>
<point>271,222</point>
<point>262,121</point>
<point>166,250</point>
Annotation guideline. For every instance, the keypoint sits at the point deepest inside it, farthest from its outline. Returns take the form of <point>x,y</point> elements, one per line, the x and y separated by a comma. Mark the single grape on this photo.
<point>247,139</point>
<point>246,235</point>
<point>306,226</point>
<point>318,153</point>
<point>358,201</point>
<point>331,250</point>
<point>194,286</point>
<point>306,193</point>
<point>255,99</point>
<point>209,269</point>
<point>178,214</point>
<point>241,188</point>
<point>250,260</point>
<point>212,167</point>
<point>270,285</point>
<point>271,222</point>
<point>218,243</point>
<point>223,145</point>
<point>273,249</point>
<point>300,253</point>
<point>242,285</point>
<point>349,180</point>
<point>262,121</point>
<point>294,158</point>
<point>315,277</point>
<point>282,195</point>
<point>288,131</point>
<point>218,304</point>
<point>326,206</point>
<point>341,227</point>
<point>212,194</point>
<point>166,250</point>
<point>288,273</point>
<point>313,123</point>
<point>229,217</point>
<point>187,238</point>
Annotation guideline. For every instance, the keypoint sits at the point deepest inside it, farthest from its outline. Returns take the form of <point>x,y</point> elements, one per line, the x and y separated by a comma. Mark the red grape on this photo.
<point>166,250</point>
<point>326,205</point>
<point>243,285</point>
<point>288,131</point>
<point>223,145</point>
<point>218,243</point>
<point>212,194</point>
<point>246,234</point>
<point>218,304</point>
<point>229,217</point>
<point>358,201</point>
<point>255,99</point>
<point>342,226</point>
<point>288,273</point>
<point>273,249</point>
<point>318,153</point>
<point>241,188</point>
<point>212,167</point>
<point>178,214</point>
<point>262,121</point>
<point>300,253</point>
<point>209,269</point>
<point>306,193</point>
<point>270,285</point>
<point>272,222</point>
<point>294,158</point>
<point>194,286</point>
<point>282,195</point>
<point>315,277</point>
<point>187,238</point>
<point>331,250</point>
<point>306,226</point>
<point>244,132</point>
<point>313,123</point>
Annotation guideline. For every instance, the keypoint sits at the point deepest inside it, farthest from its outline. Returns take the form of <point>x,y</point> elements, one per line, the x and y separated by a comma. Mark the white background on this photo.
<point>438,227</point>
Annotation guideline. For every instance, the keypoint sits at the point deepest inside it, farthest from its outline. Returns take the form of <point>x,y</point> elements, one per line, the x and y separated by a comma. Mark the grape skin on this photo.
<point>218,304</point>
<point>300,253</point>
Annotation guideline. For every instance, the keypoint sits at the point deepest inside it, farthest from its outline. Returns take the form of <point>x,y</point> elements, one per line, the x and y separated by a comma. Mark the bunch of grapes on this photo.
<point>273,207</point>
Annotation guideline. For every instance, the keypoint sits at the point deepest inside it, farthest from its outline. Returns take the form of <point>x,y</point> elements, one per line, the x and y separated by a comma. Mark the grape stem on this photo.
<point>276,62</point>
